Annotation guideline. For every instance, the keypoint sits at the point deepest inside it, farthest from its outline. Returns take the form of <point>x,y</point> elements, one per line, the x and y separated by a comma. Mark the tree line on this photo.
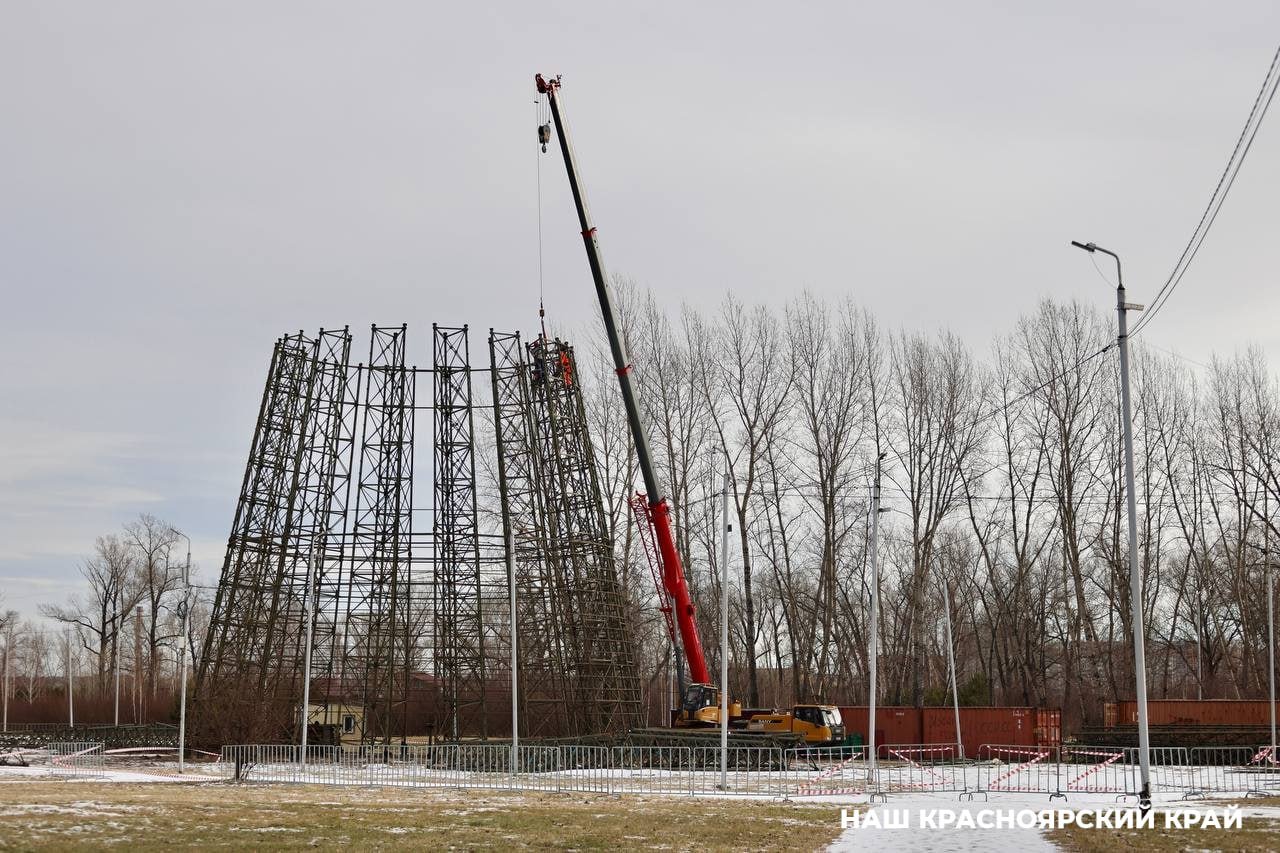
<point>120,637</point>
<point>1002,483</point>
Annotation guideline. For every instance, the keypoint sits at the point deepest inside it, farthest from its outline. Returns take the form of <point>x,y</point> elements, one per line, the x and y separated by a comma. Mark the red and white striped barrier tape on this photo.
<point>1111,757</point>
<point>995,784</point>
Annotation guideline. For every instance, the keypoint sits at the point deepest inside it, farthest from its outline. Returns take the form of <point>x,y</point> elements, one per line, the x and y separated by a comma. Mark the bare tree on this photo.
<point>159,581</point>
<point>933,442</point>
<point>98,615</point>
<point>747,385</point>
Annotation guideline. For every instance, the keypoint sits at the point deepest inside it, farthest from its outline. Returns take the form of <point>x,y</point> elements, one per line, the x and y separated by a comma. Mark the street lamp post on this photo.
<point>117,625</point>
<point>1135,576</point>
<point>1269,583</point>
<point>71,692</point>
<point>724,630</point>
<point>873,639</point>
<point>8,645</point>
<point>186,635</point>
<point>1271,618</point>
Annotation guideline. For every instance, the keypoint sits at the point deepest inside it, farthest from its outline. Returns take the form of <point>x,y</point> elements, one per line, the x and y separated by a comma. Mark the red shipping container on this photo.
<point>1191,712</point>
<point>982,725</point>
<point>894,723</point>
<point>1018,726</point>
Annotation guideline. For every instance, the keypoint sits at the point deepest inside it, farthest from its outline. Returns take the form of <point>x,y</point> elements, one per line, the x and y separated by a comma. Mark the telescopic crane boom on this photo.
<point>659,511</point>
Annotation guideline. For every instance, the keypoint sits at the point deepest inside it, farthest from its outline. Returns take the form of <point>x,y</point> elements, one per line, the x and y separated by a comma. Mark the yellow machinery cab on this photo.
<point>821,725</point>
<point>700,706</point>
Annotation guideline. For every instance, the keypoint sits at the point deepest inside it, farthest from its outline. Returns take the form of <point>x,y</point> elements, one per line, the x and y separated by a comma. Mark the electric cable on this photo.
<point>1243,143</point>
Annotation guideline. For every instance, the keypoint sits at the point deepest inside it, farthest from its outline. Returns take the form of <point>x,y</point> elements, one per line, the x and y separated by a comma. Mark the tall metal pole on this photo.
<point>1271,654</point>
<point>118,620</point>
<point>509,546</point>
<point>309,605</point>
<point>1271,619</point>
<point>515,656</point>
<point>8,644</point>
<point>873,633</point>
<point>951,661</point>
<point>186,651</point>
<point>1135,574</point>
<point>1135,571</point>
<point>71,702</point>
<point>724,629</point>
<point>138,693</point>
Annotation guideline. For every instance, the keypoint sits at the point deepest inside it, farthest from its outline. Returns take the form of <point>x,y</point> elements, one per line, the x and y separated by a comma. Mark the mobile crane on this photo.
<point>700,703</point>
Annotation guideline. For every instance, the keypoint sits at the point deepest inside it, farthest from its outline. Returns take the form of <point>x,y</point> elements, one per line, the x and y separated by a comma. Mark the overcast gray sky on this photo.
<point>181,182</point>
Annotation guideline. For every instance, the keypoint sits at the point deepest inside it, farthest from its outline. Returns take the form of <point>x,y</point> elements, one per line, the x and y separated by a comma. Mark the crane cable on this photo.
<point>539,106</point>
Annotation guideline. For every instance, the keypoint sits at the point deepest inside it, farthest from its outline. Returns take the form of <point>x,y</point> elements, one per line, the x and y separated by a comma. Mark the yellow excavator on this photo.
<point>820,725</point>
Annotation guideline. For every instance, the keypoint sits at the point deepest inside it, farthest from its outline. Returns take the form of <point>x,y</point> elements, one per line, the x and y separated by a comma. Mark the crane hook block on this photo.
<point>544,136</point>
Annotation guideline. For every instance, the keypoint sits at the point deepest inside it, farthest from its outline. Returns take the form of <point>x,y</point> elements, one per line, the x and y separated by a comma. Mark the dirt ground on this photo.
<point>145,817</point>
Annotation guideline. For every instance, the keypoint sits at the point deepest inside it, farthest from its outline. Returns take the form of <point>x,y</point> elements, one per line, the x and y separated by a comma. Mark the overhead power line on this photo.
<point>1243,143</point>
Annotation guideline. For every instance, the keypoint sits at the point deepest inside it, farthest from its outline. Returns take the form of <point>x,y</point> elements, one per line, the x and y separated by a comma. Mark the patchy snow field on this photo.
<point>92,814</point>
<point>147,804</point>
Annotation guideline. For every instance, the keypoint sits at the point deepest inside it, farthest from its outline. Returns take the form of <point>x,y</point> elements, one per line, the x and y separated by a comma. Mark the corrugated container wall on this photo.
<point>978,725</point>
<point>894,723</point>
<point>1206,712</point>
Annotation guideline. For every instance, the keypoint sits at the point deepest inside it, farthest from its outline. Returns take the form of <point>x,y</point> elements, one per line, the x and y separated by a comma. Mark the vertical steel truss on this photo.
<point>459,636</point>
<point>326,428</point>
<point>322,485</point>
<point>541,650</point>
<point>376,646</point>
<point>334,546</point>
<point>249,675</point>
<point>581,570</point>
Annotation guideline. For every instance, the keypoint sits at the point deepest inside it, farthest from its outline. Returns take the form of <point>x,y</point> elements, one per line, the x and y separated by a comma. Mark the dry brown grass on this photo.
<point>139,818</point>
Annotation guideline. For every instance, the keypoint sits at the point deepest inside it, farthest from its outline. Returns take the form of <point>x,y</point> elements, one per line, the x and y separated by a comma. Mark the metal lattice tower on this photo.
<point>378,625</point>
<point>326,507</point>
<point>544,672</point>
<point>581,569</point>
<point>459,637</point>
<point>254,647</point>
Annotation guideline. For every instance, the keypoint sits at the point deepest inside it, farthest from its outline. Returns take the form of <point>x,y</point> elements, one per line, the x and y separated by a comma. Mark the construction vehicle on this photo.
<point>817,725</point>
<point>820,725</point>
<point>700,705</point>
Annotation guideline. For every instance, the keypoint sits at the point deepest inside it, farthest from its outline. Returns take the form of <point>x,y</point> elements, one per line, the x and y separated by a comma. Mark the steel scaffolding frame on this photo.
<point>256,638</point>
<point>541,650</point>
<point>458,646</point>
<point>327,507</point>
<point>582,573</point>
<point>381,611</point>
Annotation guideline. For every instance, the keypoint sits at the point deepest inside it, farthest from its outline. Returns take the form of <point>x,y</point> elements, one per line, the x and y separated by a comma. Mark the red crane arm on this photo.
<point>659,511</point>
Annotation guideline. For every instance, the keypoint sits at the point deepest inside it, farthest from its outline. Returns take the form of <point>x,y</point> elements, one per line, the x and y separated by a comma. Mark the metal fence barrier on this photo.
<point>1232,769</point>
<point>75,758</point>
<point>1056,772</point>
<point>1095,770</point>
<point>652,769</point>
<point>750,771</point>
<point>827,771</point>
<point>1021,769</point>
<point>930,767</point>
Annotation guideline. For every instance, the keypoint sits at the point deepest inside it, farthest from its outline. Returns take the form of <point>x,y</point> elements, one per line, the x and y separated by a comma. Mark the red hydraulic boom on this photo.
<point>659,511</point>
